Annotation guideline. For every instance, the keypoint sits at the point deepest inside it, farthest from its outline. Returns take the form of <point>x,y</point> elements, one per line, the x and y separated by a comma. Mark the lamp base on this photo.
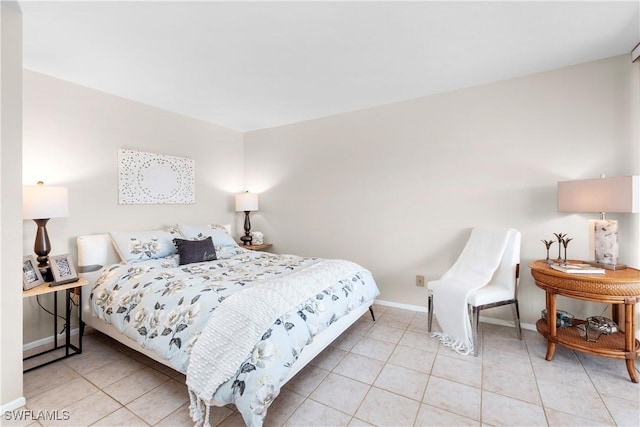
<point>605,239</point>
<point>606,266</point>
<point>47,276</point>
<point>247,239</point>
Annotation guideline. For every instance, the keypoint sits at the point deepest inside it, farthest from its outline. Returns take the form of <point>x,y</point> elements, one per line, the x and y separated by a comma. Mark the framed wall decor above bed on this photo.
<point>149,178</point>
<point>239,325</point>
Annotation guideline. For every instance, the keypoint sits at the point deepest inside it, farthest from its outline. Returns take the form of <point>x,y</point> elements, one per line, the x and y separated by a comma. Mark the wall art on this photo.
<point>148,178</point>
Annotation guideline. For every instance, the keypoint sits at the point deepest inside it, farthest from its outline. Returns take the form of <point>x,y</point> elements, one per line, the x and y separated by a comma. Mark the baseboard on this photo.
<point>484,319</point>
<point>410,307</point>
<point>47,340</point>
<point>501,322</point>
<point>12,406</point>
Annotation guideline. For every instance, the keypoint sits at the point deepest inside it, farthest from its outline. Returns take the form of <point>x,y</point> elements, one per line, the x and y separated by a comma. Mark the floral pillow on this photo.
<point>219,233</point>
<point>144,245</point>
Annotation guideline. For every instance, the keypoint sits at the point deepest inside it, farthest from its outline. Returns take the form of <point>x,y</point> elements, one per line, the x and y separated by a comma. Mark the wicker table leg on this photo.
<point>617,311</point>
<point>629,340</point>
<point>632,370</point>
<point>551,321</point>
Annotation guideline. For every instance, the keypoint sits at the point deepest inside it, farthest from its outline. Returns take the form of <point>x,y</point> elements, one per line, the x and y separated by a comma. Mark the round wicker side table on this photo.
<point>620,288</point>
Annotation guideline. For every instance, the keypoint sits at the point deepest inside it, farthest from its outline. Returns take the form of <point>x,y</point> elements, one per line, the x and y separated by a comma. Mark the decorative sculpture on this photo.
<point>559,236</point>
<point>565,243</point>
<point>547,244</point>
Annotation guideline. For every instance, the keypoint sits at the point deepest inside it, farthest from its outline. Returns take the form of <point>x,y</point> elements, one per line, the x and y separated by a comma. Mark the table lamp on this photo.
<point>246,202</point>
<point>41,203</point>
<point>602,195</point>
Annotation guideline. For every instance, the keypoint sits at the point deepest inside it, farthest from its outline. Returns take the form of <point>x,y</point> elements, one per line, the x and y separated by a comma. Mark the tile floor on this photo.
<point>387,373</point>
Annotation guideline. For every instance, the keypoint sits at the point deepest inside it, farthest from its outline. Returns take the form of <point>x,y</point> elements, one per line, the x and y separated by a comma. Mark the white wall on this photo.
<point>397,188</point>
<point>71,138</point>
<point>11,206</point>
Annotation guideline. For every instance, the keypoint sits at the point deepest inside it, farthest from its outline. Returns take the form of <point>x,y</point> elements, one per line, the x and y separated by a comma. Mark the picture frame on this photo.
<point>31,276</point>
<point>62,269</point>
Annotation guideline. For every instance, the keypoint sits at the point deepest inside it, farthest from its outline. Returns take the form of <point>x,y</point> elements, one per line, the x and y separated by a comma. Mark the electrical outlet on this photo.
<point>419,280</point>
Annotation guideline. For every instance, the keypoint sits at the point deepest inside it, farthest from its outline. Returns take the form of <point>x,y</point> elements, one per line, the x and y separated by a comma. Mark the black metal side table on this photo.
<point>69,348</point>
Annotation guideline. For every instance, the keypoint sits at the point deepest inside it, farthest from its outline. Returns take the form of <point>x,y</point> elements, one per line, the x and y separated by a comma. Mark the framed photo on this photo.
<point>62,269</point>
<point>31,276</point>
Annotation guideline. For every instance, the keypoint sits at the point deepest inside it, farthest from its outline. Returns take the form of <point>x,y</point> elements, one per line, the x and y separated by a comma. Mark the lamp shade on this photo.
<point>605,195</point>
<point>246,202</point>
<point>43,202</point>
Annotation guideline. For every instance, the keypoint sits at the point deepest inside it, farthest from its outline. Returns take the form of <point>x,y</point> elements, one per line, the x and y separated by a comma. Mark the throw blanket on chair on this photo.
<point>474,268</point>
<point>240,321</point>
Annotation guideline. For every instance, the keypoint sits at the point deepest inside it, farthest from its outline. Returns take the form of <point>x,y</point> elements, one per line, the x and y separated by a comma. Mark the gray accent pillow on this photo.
<point>191,251</point>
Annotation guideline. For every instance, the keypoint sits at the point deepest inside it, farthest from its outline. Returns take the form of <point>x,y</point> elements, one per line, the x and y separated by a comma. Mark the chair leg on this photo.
<point>475,329</point>
<point>516,318</point>
<point>373,316</point>
<point>430,314</point>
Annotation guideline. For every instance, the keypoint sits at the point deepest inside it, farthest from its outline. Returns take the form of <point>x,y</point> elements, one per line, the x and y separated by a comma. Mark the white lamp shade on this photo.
<point>43,202</point>
<point>246,202</point>
<point>607,195</point>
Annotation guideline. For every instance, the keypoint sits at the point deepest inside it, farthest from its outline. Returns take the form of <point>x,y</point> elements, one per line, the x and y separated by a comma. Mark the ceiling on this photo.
<point>255,65</point>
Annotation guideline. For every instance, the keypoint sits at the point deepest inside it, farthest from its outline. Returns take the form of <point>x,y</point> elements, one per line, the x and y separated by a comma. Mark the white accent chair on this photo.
<point>501,290</point>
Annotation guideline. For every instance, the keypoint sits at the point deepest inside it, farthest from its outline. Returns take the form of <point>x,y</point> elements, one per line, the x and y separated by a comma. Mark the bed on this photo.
<point>238,323</point>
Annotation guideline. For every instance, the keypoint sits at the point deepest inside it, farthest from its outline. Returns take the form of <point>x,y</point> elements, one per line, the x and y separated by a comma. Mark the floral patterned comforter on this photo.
<point>164,307</point>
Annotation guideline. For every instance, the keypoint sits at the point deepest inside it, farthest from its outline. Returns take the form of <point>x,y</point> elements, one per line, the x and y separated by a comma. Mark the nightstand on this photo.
<point>260,247</point>
<point>69,348</point>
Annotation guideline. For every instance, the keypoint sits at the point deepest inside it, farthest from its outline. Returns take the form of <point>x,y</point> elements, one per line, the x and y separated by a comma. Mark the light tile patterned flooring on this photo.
<point>387,373</point>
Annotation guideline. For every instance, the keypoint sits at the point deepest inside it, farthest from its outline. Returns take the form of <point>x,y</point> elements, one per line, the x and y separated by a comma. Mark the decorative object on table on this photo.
<point>576,268</point>
<point>41,203</point>
<point>246,202</point>
<point>31,276</point>
<point>62,269</point>
<point>547,244</point>
<point>564,319</point>
<point>596,326</point>
<point>602,195</point>
<point>582,330</point>
<point>560,237</point>
<point>257,238</point>
<point>602,324</point>
<point>149,178</point>
<point>565,243</point>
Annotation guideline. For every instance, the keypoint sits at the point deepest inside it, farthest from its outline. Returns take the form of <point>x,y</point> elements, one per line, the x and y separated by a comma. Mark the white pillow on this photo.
<point>218,233</point>
<point>144,245</point>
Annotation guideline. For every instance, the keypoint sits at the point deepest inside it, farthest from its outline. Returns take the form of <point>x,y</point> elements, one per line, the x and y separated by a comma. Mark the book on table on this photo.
<point>578,268</point>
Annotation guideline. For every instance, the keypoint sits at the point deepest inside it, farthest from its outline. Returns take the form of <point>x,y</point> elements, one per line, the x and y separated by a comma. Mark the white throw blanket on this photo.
<point>241,320</point>
<point>474,268</point>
